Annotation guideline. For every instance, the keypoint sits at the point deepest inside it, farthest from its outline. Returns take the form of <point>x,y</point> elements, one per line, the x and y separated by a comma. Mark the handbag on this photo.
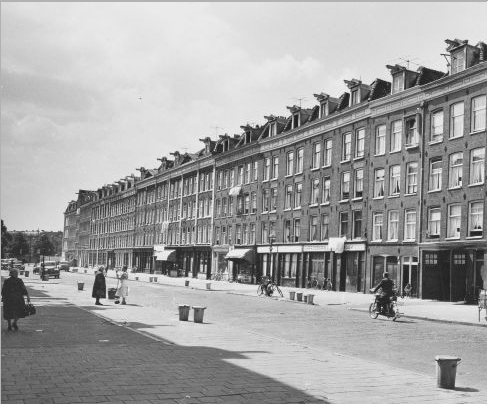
<point>29,309</point>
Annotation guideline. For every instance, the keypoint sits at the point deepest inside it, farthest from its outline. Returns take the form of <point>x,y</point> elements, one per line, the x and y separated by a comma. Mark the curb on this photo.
<point>435,320</point>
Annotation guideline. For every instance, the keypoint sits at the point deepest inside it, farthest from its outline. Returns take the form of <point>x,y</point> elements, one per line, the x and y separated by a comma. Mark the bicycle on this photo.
<point>217,276</point>
<point>316,284</point>
<point>268,289</point>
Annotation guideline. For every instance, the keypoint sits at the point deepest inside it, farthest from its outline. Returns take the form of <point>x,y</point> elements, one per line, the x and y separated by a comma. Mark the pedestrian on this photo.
<point>13,292</point>
<point>329,284</point>
<point>407,290</point>
<point>123,289</point>
<point>98,291</point>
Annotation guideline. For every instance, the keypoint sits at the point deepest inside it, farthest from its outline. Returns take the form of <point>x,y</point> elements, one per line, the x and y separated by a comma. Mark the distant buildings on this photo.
<point>389,176</point>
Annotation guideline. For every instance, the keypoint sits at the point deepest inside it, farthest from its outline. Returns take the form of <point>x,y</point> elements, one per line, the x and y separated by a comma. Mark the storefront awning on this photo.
<point>166,255</point>
<point>235,191</point>
<point>240,254</point>
<point>336,244</point>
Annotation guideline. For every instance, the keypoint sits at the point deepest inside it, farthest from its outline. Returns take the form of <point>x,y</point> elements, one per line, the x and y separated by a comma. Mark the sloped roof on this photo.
<point>428,75</point>
<point>343,102</point>
<point>378,89</point>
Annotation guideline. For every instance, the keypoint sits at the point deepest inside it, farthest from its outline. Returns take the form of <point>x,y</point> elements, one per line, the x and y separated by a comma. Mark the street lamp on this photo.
<point>271,239</point>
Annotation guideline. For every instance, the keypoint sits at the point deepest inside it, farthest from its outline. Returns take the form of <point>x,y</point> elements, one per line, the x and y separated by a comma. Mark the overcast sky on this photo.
<point>73,75</point>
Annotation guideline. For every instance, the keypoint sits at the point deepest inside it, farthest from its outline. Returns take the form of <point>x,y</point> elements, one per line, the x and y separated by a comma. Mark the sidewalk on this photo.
<point>73,351</point>
<point>431,310</point>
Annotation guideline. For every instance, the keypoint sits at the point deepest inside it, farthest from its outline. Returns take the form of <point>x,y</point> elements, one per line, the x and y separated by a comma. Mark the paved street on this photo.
<point>249,349</point>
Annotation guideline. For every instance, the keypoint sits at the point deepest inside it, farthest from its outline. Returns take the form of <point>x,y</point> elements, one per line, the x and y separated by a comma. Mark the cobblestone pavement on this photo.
<point>72,351</point>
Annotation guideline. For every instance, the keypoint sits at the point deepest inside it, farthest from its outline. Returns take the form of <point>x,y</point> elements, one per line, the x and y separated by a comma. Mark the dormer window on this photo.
<point>295,121</point>
<point>247,137</point>
<point>225,145</point>
<point>457,61</point>
<point>324,109</point>
<point>398,83</point>
<point>273,129</point>
<point>354,96</point>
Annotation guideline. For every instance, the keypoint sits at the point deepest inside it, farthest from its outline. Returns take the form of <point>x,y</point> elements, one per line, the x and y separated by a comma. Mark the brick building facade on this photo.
<point>388,176</point>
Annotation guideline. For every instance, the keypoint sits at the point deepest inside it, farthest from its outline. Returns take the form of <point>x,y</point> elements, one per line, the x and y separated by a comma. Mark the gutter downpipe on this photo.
<point>421,111</point>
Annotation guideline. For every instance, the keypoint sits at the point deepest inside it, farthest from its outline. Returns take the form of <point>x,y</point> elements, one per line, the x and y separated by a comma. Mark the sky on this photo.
<point>92,91</point>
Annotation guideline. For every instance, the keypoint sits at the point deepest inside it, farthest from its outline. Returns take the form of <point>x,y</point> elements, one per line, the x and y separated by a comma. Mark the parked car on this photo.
<point>51,269</point>
<point>64,266</point>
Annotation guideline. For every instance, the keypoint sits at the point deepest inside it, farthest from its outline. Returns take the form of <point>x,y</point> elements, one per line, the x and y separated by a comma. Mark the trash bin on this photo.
<point>198,314</point>
<point>310,299</point>
<point>208,286</point>
<point>150,279</point>
<point>183,311</point>
<point>21,272</point>
<point>292,294</point>
<point>111,293</point>
<point>26,274</point>
<point>187,283</point>
<point>155,279</point>
<point>137,278</point>
<point>85,270</point>
<point>299,296</point>
<point>80,285</point>
<point>446,370</point>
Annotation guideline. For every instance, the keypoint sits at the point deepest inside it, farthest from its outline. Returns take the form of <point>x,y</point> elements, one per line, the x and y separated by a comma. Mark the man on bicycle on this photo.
<point>387,286</point>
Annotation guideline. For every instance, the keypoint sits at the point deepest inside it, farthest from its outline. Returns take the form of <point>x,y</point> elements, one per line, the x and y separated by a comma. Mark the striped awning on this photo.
<point>235,191</point>
<point>240,254</point>
<point>166,255</point>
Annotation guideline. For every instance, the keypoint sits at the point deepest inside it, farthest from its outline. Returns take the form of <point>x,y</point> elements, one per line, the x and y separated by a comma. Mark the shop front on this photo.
<point>165,261</point>
<point>219,262</point>
<point>242,268</point>
<point>143,260</point>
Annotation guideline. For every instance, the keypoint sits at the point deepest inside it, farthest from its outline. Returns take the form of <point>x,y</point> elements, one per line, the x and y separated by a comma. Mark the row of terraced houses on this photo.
<point>389,176</point>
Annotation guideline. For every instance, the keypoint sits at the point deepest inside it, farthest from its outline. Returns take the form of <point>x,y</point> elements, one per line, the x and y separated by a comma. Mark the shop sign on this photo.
<point>317,248</point>
<point>354,247</point>
<point>290,249</point>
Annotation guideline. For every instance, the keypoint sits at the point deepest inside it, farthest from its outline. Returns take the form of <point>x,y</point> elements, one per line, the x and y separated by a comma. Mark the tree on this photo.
<point>19,247</point>
<point>44,245</point>
<point>6,239</point>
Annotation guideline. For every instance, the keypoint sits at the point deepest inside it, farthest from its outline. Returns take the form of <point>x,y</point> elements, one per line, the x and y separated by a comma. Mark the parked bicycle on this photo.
<point>218,276</point>
<point>268,288</point>
<point>315,283</point>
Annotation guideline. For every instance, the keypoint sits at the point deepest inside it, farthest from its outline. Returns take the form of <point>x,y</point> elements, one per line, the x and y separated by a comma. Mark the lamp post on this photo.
<point>271,239</point>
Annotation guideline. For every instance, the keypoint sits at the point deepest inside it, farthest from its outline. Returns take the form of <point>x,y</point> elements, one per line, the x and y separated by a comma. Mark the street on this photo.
<point>328,345</point>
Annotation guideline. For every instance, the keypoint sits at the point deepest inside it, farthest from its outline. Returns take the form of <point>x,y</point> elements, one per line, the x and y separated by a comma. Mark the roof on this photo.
<point>428,75</point>
<point>379,88</point>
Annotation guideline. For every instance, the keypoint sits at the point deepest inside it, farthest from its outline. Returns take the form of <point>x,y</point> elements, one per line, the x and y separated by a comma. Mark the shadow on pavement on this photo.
<point>116,364</point>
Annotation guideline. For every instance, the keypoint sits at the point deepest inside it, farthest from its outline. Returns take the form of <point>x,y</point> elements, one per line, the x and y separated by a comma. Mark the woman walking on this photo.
<point>13,292</point>
<point>98,291</point>
<point>123,289</point>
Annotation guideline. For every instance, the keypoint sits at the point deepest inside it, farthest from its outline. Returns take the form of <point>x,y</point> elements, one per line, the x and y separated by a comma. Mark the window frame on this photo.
<point>380,133</point>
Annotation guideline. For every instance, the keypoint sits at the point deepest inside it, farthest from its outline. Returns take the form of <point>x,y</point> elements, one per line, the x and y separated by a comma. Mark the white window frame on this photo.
<point>290,163</point>
<point>328,152</point>
<point>299,166</point>
<point>345,185</point>
<point>478,213</point>
<point>346,147</point>
<point>316,155</point>
<point>360,143</point>
<point>393,225</point>
<point>434,221</point>
<point>380,132</point>
<point>454,220</point>
<point>377,224</point>
<point>478,112</point>
<point>437,126</point>
<point>412,178</point>
<point>315,184</point>
<point>436,175</point>
<point>410,224</point>
<point>379,185</point>
<point>455,170</point>
<point>396,136</point>
<point>358,184</point>
<point>326,194</point>
<point>394,180</point>
<point>477,178</point>
<point>456,120</point>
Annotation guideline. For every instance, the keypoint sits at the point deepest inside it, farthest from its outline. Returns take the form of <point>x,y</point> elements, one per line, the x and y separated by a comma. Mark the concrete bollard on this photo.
<point>292,295</point>
<point>199,314</point>
<point>446,371</point>
<point>183,311</point>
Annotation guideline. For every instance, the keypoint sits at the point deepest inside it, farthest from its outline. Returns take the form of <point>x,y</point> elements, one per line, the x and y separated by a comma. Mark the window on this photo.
<point>437,126</point>
<point>459,259</point>
<point>264,233</point>
<point>219,180</point>
<point>379,183</point>
<point>380,140</point>
<point>288,197</point>
<point>290,163</point>
<point>231,178</point>
<point>275,167</point>
<point>316,155</point>
<point>434,221</point>
<point>346,149</point>
<point>299,163</point>
<point>398,83</point>
<point>314,228</point>
<point>247,204</point>
<point>454,216</point>
<point>478,118</point>
<point>237,234</point>
<point>378,219</point>
<point>298,195</point>
<point>412,135</point>
<point>328,152</point>
<point>457,120</point>
<point>287,230</point>
<point>253,202</point>
<point>324,227</point>
<point>245,234</point>
<point>435,175</point>
<point>273,129</point>
<point>266,200</point>
<point>224,206</point>
<point>266,169</point>
<point>345,185</point>
<point>254,171</point>
<point>455,170</point>
<point>252,233</point>
<point>324,109</point>
<point>393,225</point>
<point>410,225</point>
<point>476,219</point>
<point>343,224</point>
<point>411,178</point>
<point>297,230</point>
<point>231,206</point>
<point>296,121</point>
<point>458,60</point>
<point>240,175</point>
<point>357,224</point>
<point>358,192</point>
<point>477,165</point>
<point>395,180</point>
<point>273,199</point>
<point>314,191</point>
<point>396,136</point>
<point>326,190</point>
<point>226,180</point>
<point>431,259</point>
<point>247,173</point>
<point>360,143</point>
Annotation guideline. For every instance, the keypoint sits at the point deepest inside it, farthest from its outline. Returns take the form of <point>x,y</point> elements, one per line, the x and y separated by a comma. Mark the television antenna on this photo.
<point>216,128</point>
<point>300,99</point>
<point>408,60</point>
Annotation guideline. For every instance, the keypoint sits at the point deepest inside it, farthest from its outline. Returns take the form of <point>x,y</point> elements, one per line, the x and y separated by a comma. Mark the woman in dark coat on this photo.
<point>98,291</point>
<point>13,292</point>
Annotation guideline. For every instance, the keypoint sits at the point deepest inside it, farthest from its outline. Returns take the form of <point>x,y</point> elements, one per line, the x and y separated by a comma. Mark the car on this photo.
<point>64,266</point>
<point>51,269</point>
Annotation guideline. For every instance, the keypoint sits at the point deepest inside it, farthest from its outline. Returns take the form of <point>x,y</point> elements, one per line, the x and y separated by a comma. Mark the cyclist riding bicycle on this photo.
<point>387,286</point>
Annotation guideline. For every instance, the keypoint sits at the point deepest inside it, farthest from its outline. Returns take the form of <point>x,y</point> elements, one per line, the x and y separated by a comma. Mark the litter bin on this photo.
<point>26,274</point>
<point>183,310</point>
<point>187,283</point>
<point>446,370</point>
<point>111,293</point>
<point>299,296</point>
<point>292,294</point>
<point>80,285</point>
<point>208,286</point>
<point>310,299</point>
<point>304,298</point>
<point>21,272</point>
<point>150,279</point>
<point>155,279</point>
<point>199,314</point>
<point>137,278</point>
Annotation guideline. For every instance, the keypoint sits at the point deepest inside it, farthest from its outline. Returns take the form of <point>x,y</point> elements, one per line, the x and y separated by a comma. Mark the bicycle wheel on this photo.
<point>260,290</point>
<point>314,283</point>
<point>372,310</point>
<point>279,291</point>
